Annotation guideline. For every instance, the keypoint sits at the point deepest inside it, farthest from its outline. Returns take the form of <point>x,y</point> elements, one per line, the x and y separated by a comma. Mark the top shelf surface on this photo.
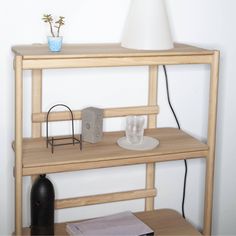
<point>40,51</point>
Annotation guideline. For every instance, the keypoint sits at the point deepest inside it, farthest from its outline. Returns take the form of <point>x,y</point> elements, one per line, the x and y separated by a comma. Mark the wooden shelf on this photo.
<point>163,222</point>
<point>40,51</point>
<point>33,158</point>
<point>174,145</point>
<point>102,55</point>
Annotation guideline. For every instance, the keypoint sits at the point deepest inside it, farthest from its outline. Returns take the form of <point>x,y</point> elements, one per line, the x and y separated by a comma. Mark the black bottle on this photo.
<point>42,207</point>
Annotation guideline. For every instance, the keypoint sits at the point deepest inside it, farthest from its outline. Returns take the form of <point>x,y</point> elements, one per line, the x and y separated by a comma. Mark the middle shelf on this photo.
<point>174,145</point>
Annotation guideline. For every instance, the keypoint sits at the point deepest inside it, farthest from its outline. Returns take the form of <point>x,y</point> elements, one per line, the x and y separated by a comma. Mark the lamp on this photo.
<point>147,26</point>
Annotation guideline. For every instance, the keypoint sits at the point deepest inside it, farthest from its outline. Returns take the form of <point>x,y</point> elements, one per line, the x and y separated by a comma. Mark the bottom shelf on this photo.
<point>163,222</point>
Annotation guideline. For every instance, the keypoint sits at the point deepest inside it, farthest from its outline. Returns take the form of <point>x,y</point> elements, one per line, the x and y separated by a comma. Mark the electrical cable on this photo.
<point>177,122</point>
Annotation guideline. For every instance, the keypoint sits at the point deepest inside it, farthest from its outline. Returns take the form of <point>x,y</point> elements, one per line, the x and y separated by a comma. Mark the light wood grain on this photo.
<point>104,198</point>
<point>18,144</point>
<point>174,145</point>
<point>210,163</point>
<point>36,101</point>
<point>152,122</point>
<point>108,113</point>
<point>162,222</point>
<point>150,183</point>
<point>77,166</point>
<point>31,52</point>
<point>36,129</point>
<point>152,94</point>
<point>102,55</point>
<point>114,61</point>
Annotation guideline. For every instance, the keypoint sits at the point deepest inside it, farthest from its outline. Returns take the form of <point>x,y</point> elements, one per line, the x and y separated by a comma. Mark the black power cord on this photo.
<point>176,119</point>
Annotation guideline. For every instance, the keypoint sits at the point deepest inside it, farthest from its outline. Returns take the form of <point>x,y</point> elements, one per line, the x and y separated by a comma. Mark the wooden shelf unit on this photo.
<point>32,158</point>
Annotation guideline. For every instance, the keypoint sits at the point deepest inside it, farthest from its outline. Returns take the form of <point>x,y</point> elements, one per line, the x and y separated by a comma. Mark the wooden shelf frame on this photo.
<point>37,58</point>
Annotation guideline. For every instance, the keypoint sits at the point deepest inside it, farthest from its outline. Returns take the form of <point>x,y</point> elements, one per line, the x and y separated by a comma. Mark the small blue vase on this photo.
<point>54,43</point>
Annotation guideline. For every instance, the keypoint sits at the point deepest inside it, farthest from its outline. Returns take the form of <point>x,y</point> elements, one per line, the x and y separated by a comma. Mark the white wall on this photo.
<point>207,23</point>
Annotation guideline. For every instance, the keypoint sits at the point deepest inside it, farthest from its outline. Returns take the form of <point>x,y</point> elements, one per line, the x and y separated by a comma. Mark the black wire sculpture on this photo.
<point>52,141</point>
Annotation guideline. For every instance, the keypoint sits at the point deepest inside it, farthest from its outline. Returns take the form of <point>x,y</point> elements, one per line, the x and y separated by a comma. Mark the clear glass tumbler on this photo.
<point>134,129</point>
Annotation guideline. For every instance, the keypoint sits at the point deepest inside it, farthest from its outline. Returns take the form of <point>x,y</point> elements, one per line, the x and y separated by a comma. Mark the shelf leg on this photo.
<point>211,143</point>
<point>36,101</point>
<point>150,183</point>
<point>36,105</point>
<point>152,122</point>
<point>152,94</point>
<point>18,147</point>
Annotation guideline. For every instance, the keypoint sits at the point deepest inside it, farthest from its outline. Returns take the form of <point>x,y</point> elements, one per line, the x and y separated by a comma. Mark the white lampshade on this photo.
<point>147,26</point>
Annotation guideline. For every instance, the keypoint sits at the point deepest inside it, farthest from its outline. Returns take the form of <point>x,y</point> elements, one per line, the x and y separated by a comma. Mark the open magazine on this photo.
<point>121,224</point>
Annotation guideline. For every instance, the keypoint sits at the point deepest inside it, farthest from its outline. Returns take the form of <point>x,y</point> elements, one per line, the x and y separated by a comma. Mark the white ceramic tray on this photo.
<point>148,143</point>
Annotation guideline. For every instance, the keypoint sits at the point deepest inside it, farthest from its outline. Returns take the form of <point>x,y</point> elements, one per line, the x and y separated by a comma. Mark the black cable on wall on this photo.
<point>177,122</point>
